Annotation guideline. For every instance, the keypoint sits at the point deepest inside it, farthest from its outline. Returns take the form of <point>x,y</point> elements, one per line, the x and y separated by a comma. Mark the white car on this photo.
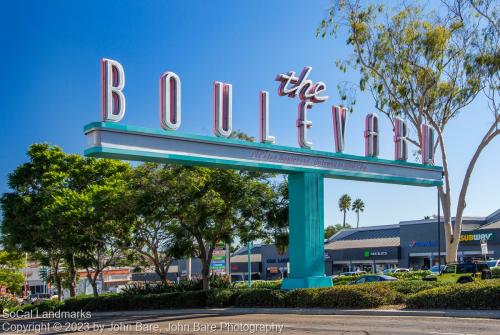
<point>395,270</point>
<point>493,264</point>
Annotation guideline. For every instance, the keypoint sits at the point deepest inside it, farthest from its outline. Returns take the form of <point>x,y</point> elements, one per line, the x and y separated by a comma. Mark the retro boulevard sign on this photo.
<point>113,106</point>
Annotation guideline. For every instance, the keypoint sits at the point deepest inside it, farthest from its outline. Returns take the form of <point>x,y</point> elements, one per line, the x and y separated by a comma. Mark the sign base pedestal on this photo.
<point>306,227</point>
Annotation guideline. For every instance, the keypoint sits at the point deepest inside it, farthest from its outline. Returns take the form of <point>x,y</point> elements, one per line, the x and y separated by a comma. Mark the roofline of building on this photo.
<point>434,220</point>
<point>493,214</point>
<point>350,231</point>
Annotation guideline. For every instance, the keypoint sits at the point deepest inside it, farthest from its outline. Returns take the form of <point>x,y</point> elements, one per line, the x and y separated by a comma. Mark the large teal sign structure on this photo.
<point>306,168</point>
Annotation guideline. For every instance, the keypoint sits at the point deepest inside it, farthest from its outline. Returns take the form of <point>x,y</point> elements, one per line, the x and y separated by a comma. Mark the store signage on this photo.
<point>375,253</point>
<point>484,247</point>
<point>477,237</point>
<point>113,107</point>
<point>218,263</point>
<point>423,243</point>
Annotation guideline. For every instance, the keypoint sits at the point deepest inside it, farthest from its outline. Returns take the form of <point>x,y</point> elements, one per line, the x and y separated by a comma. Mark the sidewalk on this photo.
<point>484,314</point>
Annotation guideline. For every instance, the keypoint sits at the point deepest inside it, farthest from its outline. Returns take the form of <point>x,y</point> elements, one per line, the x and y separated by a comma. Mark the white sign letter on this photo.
<point>339,125</point>
<point>112,84</point>
<point>170,101</point>
<point>400,140</point>
<point>427,144</point>
<point>264,118</point>
<point>371,135</point>
<point>222,109</point>
<point>303,124</point>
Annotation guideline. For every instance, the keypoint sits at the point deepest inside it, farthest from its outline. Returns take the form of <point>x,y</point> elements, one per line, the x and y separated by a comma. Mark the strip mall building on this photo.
<point>409,244</point>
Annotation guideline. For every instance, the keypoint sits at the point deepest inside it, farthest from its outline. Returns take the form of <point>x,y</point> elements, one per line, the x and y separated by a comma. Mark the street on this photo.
<point>223,323</point>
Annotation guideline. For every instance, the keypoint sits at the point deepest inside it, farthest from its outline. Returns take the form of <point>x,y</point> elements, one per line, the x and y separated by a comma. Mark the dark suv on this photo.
<point>464,272</point>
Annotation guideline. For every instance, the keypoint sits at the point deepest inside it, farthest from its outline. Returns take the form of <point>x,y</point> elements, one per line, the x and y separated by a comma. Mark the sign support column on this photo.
<point>306,226</point>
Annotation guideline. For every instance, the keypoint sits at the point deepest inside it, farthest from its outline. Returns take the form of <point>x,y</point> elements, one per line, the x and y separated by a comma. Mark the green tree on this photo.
<point>358,206</point>
<point>217,205</point>
<point>344,205</point>
<point>64,207</point>
<point>26,225</point>
<point>425,68</point>
<point>11,276</point>
<point>277,217</point>
<point>156,236</point>
<point>94,202</point>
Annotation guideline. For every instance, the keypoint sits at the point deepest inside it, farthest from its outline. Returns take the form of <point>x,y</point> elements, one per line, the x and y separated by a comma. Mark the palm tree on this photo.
<point>344,205</point>
<point>358,206</point>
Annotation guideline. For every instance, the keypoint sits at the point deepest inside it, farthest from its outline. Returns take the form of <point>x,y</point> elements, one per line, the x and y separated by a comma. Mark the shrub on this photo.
<point>7,302</point>
<point>261,298</point>
<point>356,296</point>
<point>116,302</point>
<point>222,297</point>
<point>411,275</point>
<point>184,285</point>
<point>43,306</point>
<point>269,284</point>
<point>413,286</point>
<point>344,280</point>
<point>303,297</point>
<point>495,272</point>
<point>477,295</point>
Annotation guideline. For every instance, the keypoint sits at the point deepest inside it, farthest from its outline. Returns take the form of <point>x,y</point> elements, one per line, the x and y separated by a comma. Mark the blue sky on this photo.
<point>49,85</point>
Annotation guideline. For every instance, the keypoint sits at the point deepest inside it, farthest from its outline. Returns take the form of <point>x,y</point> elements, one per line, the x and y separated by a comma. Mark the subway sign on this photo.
<point>477,237</point>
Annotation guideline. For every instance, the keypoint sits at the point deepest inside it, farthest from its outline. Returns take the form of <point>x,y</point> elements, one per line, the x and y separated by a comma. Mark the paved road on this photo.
<point>220,323</point>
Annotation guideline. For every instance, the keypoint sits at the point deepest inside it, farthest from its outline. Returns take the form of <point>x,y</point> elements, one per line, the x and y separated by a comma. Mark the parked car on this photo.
<point>493,263</point>
<point>436,269</point>
<point>352,273</point>
<point>395,270</point>
<point>373,279</point>
<point>464,272</point>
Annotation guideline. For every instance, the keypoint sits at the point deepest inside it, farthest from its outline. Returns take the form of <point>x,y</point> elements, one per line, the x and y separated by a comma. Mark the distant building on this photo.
<point>409,244</point>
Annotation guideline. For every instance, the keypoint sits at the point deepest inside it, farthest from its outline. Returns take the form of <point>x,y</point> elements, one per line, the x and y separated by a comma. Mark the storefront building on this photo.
<point>363,249</point>
<point>409,244</point>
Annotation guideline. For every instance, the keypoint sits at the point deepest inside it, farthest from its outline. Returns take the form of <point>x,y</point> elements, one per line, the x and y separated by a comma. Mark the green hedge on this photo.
<point>7,302</point>
<point>416,294</point>
<point>495,272</point>
<point>116,302</point>
<point>357,296</point>
<point>261,297</point>
<point>406,287</point>
<point>270,284</point>
<point>411,275</point>
<point>344,280</point>
<point>140,288</point>
<point>477,295</point>
<point>222,297</point>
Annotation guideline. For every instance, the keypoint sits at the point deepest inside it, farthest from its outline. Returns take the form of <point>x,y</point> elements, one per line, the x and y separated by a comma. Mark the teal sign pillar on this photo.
<point>306,228</point>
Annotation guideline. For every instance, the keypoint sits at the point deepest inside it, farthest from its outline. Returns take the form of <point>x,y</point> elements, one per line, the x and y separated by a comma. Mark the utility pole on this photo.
<point>249,247</point>
<point>439,230</point>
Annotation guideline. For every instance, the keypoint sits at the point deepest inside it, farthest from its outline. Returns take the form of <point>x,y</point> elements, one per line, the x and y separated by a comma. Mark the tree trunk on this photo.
<point>93,282</point>
<point>57,279</point>
<point>94,287</point>
<point>343,226</point>
<point>58,283</point>
<point>205,272</point>
<point>72,275</point>
<point>357,223</point>
<point>162,273</point>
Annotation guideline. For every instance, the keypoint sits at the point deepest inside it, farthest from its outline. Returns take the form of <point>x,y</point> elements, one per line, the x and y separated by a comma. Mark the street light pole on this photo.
<point>249,247</point>
<point>439,230</point>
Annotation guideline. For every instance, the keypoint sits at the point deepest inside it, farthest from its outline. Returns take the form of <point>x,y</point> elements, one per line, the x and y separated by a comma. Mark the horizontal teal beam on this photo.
<point>110,140</point>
